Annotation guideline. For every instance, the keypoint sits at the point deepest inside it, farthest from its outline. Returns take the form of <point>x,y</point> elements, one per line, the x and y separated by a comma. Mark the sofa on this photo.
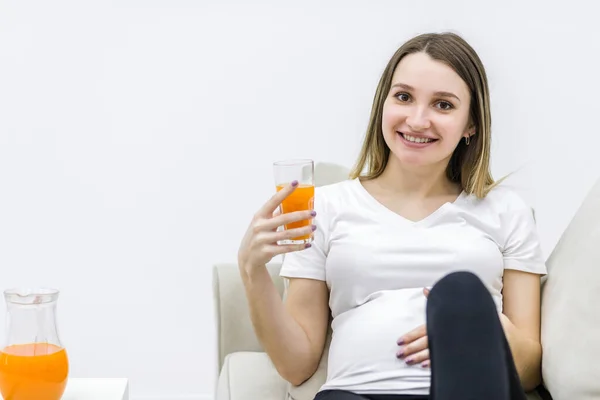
<point>570,320</point>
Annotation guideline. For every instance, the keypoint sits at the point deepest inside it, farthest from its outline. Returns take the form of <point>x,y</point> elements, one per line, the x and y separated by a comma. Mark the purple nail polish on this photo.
<point>307,245</point>
<point>294,183</point>
<point>425,364</point>
<point>400,354</point>
<point>314,227</point>
<point>409,361</point>
<point>400,342</point>
<point>313,213</point>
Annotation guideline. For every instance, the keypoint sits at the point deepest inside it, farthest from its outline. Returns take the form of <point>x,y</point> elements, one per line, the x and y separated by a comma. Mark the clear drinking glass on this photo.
<point>302,198</point>
<point>33,361</point>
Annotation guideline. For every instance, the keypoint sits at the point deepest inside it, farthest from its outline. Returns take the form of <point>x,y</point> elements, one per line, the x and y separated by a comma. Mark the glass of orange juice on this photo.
<point>33,362</point>
<point>302,198</point>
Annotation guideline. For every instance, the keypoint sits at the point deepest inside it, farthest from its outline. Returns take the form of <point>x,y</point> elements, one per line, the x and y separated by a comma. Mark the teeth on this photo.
<point>416,139</point>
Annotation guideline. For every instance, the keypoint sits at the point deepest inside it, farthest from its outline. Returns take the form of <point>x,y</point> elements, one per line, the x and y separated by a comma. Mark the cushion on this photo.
<point>250,375</point>
<point>570,316</point>
<point>234,326</point>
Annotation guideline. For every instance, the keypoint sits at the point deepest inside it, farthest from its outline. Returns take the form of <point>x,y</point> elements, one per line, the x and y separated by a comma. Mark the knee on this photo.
<point>461,300</point>
<point>459,289</point>
<point>461,279</point>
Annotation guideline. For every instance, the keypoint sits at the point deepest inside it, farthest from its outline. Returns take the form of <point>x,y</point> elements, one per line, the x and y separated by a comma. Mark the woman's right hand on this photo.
<point>259,244</point>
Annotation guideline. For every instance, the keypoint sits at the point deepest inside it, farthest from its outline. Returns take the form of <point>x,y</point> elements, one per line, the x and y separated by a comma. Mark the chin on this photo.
<point>416,160</point>
<point>409,157</point>
<point>416,163</point>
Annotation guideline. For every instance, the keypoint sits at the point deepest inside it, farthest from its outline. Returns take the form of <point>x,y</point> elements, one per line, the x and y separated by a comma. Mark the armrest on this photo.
<point>234,327</point>
<point>250,375</point>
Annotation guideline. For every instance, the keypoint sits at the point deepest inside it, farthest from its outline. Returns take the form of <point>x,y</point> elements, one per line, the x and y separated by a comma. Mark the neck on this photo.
<point>417,181</point>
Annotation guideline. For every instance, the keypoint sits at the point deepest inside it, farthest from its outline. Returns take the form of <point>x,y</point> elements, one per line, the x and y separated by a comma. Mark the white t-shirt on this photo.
<point>376,264</point>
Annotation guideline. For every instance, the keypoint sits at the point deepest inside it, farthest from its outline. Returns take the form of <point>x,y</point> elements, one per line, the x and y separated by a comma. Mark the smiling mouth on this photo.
<point>416,139</point>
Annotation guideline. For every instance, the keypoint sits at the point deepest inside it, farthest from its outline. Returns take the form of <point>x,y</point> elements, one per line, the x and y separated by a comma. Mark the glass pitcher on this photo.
<point>33,363</point>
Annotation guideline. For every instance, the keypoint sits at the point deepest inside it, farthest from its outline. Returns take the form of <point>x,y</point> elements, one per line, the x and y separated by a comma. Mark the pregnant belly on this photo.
<point>362,356</point>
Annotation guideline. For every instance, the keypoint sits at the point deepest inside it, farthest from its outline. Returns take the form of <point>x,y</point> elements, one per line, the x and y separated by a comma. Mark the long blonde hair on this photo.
<point>469,165</point>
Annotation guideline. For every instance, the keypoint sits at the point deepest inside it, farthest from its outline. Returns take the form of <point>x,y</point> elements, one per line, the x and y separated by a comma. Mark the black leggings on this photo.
<point>470,357</point>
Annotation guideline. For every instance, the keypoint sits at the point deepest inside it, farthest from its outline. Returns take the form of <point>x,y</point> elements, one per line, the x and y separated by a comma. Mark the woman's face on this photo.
<point>426,112</point>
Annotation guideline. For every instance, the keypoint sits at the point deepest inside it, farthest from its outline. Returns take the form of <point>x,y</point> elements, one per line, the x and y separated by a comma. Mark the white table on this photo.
<point>96,389</point>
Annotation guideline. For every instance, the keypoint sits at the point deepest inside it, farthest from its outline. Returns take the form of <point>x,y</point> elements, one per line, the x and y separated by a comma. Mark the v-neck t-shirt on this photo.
<point>376,264</point>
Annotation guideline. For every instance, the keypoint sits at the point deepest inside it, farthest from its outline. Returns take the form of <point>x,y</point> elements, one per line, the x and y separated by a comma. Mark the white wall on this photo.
<point>136,140</point>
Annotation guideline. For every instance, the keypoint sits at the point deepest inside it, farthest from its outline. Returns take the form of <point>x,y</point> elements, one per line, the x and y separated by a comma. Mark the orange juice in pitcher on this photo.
<point>33,363</point>
<point>36,371</point>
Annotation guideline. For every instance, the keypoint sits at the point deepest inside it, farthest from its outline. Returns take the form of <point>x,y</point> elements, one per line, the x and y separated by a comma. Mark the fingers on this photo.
<point>413,335</point>
<point>264,238</point>
<point>270,206</point>
<point>276,213</point>
<point>291,233</point>
<point>413,348</point>
<point>416,352</point>
<point>277,249</point>
<point>259,244</point>
<point>288,218</point>
<point>262,225</point>
<point>422,357</point>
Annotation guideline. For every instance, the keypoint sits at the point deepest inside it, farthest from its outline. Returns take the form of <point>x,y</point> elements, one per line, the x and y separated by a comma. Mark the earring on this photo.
<point>467,140</point>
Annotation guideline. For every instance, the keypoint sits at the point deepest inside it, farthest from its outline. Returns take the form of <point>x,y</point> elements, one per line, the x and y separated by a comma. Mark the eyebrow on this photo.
<point>439,94</point>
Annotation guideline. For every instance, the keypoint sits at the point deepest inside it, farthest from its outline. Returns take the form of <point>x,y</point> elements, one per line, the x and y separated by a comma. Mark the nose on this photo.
<point>418,119</point>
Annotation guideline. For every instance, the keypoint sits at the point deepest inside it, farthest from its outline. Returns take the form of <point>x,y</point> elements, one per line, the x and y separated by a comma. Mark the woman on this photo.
<point>430,269</point>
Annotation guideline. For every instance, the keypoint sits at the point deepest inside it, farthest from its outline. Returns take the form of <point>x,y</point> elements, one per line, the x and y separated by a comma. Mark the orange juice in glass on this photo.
<point>302,198</point>
<point>33,363</point>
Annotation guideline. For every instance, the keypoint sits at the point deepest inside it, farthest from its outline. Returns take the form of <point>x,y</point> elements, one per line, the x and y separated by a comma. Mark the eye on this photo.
<point>444,105</point>
<point>403,97</point>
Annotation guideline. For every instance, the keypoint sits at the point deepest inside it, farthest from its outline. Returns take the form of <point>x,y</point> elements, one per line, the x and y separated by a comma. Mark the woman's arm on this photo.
<point>521,323</point>
<point>292,333</point>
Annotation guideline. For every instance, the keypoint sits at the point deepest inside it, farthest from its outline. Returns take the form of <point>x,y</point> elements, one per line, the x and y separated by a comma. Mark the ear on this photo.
<point>470,131</point>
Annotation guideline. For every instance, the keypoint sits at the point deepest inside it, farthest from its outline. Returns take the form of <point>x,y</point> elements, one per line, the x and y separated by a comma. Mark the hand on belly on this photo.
<point>414,346</point>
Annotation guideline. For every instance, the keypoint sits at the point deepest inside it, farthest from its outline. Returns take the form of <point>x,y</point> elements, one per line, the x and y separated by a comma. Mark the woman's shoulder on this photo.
<point>502,198</point>
<point>337,196</point>
<point>335,190</point>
